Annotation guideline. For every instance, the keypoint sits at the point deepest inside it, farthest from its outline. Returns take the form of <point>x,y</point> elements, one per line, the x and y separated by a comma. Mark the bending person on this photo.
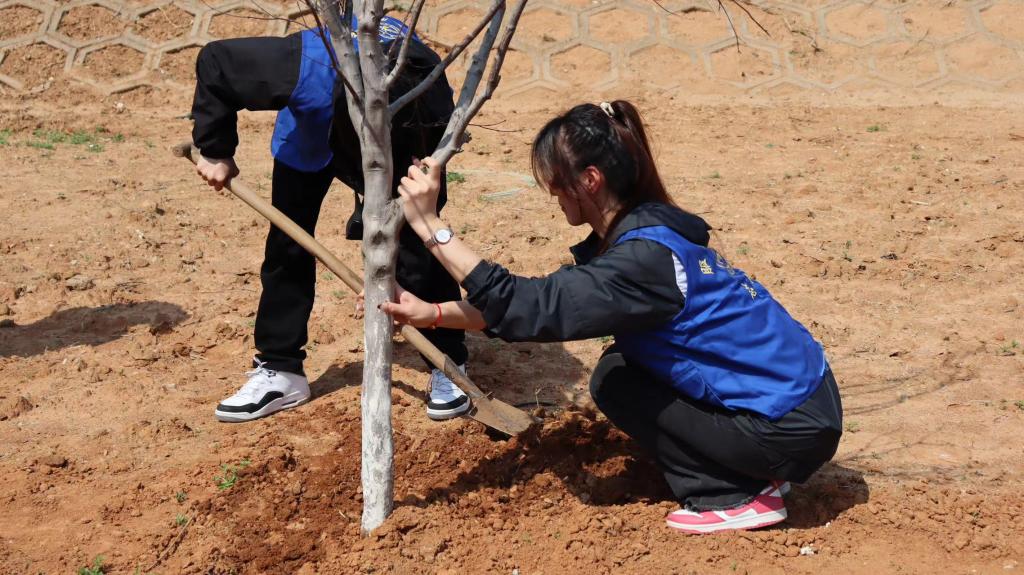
<point>313,144</point>
<point>732,396</point>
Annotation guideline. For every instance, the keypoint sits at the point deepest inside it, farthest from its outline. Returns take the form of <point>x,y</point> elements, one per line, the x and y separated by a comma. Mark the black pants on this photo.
<point>713,458</point>
<point>289,276</point>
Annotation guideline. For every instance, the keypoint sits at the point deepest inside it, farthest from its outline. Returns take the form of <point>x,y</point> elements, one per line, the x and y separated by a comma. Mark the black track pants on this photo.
<point>288,276</point>
<point>713,458</point>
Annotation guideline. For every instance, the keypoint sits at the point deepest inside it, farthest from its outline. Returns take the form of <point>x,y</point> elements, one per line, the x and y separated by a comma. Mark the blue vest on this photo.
<point>732,345</point>
<point>303,130</point>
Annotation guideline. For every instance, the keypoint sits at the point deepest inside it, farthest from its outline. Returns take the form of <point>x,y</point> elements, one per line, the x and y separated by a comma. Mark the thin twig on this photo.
<point>171,546</point>
<point>340,28</point>
<point>752,19</point>
<point>728,17</point>
<point>407,39</point>
<point>322,33</point>
<point>427,82</point>
<point>270,16</point>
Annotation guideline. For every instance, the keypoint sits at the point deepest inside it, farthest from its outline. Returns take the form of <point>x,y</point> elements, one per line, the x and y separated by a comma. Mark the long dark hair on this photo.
<point>615,143</point>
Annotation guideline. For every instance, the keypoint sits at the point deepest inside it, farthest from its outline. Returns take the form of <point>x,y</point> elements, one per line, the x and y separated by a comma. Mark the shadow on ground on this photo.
<point>87,326</point>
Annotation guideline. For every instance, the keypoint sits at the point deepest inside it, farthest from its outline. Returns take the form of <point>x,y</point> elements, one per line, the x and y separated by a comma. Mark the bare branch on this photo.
<point>732,26</point>
<point>339,27</point>
<point>751,16</point>
<point>267,17</point>
<point>466,108</point>
<point>405,40</point>
<point>427,82</point>
<point>321,31</point>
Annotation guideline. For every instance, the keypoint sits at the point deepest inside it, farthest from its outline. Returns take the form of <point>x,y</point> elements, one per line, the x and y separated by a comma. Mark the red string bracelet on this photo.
<point>437,320</point>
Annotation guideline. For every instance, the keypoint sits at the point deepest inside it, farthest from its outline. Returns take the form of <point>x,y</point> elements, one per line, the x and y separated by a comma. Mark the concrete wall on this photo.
<point>823,46</point>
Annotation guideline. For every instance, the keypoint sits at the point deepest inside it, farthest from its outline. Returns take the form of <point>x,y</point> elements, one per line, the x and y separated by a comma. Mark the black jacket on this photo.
<point>631,284</point>
<point>261,73</point>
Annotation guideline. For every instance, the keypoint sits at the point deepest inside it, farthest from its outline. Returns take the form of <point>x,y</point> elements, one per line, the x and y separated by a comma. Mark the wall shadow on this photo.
<point>87,326</point>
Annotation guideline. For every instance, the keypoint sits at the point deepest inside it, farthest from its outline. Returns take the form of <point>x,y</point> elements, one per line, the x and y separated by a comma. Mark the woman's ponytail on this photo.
<point>648,186</point>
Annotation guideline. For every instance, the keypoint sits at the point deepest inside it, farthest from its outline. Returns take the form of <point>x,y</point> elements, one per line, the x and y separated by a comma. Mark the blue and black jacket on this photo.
<point>673,305</point>
<point>293,74</point>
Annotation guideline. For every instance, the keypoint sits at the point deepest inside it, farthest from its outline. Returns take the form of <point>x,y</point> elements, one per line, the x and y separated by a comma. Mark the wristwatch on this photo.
<point>440,238</point>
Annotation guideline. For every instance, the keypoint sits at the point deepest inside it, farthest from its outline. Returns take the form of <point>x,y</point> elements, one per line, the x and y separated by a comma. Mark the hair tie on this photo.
<point>608,109</point>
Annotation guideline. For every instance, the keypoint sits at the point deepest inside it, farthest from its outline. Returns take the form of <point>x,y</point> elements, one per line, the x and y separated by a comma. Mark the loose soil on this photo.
<point>128,291</point>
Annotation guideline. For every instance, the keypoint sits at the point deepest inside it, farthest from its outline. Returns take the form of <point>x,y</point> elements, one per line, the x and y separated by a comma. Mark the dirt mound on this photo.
<point>281,499</point>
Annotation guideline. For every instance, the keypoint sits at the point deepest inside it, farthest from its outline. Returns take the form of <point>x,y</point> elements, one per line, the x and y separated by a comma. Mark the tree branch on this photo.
<point>456,51</point>
<point>321,31</point>
<point>470,103</point>
<point>417,7</point>
<point>343,49</point>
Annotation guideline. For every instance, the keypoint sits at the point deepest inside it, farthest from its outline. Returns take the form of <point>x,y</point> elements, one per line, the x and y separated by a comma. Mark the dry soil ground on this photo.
<point>128,289</point>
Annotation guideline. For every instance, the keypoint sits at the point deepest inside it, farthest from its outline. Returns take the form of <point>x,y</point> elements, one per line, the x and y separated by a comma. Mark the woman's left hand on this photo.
<point>419,190</point>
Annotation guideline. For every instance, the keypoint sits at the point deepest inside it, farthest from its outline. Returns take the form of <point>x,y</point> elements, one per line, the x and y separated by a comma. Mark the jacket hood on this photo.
<point>690,226</point>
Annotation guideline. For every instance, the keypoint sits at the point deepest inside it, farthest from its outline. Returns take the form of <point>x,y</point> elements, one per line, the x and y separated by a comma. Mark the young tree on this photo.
<point>367,77</point>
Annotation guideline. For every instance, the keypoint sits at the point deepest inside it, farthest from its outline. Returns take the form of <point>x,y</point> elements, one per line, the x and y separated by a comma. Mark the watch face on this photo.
<point>443,236</point>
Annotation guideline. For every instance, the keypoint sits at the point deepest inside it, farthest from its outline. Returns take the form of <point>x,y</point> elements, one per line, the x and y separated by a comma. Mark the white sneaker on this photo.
<point>266,392</point>
<point>446,399</point>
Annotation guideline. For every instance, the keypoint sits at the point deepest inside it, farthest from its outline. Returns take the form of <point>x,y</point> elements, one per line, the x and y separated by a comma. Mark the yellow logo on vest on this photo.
<point>705,268</point>
<point>750,290</point>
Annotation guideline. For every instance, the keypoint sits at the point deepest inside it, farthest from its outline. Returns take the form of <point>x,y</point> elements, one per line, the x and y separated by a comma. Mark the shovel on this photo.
<point>493,413</point>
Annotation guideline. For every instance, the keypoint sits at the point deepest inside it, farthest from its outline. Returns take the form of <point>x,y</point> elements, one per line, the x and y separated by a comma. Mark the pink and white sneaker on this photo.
<point>766,509</point>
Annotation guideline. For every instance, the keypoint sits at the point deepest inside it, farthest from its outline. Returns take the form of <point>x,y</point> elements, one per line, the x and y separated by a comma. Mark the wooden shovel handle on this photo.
<point>283,222</point>
<point>510,420</point>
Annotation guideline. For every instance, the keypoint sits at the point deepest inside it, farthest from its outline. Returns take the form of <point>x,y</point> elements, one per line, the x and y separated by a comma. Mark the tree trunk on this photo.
<point>380,249</point>
<point>366,78</point>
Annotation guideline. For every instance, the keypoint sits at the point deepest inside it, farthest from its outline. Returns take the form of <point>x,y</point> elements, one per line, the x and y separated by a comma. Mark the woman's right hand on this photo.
<point>217,173</point>
<point>419,191</point>
<point>409,309</point>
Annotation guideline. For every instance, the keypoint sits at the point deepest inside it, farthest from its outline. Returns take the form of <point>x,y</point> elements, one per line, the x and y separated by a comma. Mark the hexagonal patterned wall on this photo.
<point>688,45</point>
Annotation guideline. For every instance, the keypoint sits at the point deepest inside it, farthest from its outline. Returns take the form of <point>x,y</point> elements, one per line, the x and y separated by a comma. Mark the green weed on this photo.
<point>50,136</point>
<point>743,250</point>
<point>96,569</point>
<point>180,519</point>
<point>875,128</point>
<point>1020,404</point>
<point>852,426</point>
<point>80,138</point>
<point>230,474</point>
<point>715,175</point>
<point>41,145</point>
<point>846,251</point>
<point>1010,349</point>
<point>327,276</point>
<point>180,496</point>
<point>4,137</point>
<point>455,178</point>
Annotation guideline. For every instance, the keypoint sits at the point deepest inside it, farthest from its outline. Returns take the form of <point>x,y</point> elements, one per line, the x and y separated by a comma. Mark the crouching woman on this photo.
<point>732,396</point>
